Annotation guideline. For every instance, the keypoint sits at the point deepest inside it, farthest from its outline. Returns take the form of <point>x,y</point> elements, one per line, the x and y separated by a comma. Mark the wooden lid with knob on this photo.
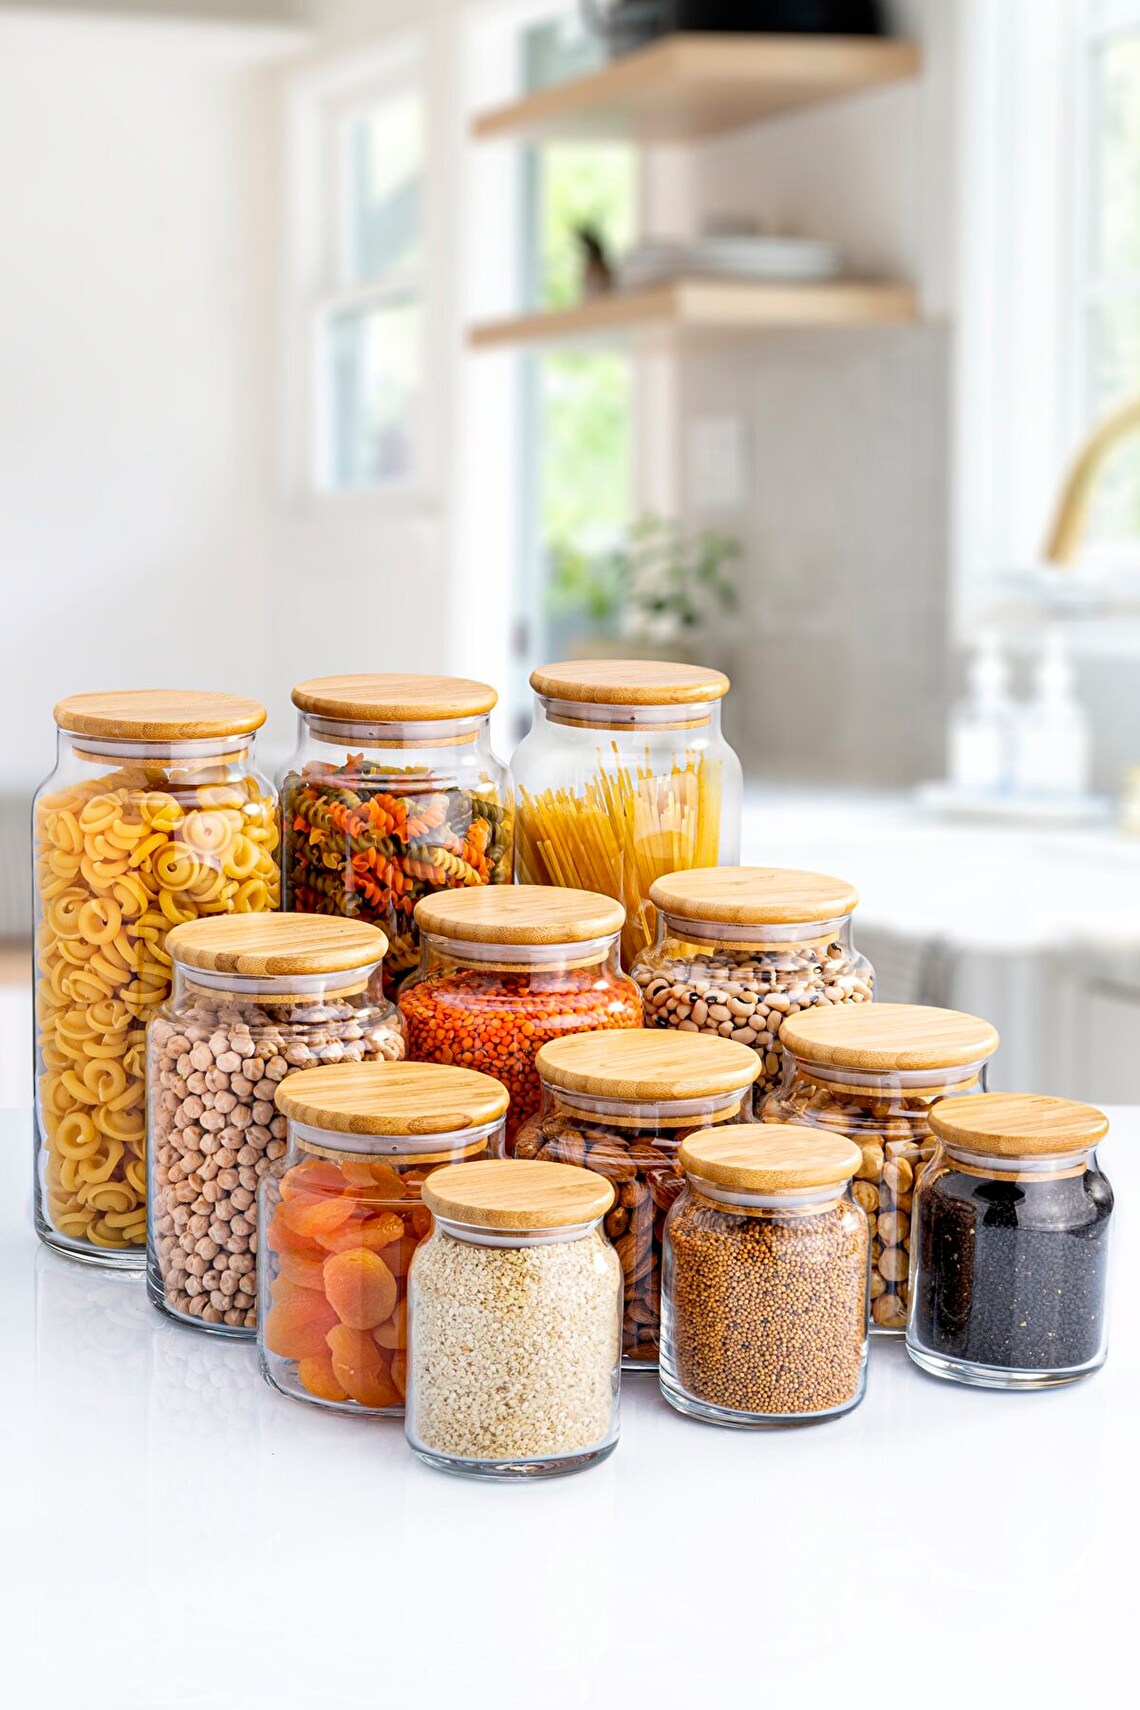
<point>644,1065</point>
<point>1018,1125</point>
<point>764,1158</point>
<point>886,1037</point>
<point>394,698</point>
<point>629,682</point>
<point>268,946</point>
<point>518,1194</point>
<point>159,715</point>
<point>753,896</point>
<point>392,1098</point>
<point>520,914</point>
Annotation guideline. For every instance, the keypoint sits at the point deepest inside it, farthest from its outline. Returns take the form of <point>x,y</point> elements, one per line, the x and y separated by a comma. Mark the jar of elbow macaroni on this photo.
<point>154,815</point>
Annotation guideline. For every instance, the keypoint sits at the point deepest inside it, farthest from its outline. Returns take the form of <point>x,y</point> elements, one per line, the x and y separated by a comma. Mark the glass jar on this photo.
<point>1009,1264</point>
<point>503,970</point>
<point>764,1290</point>
<point>873,1072</point>
<point>740,949</point>
<point>393,793</point>
<point>514,1323</point>
<point>253,1000</point>
<point>155,814</point>
<point>340,1216</point>
<point>621,1104</point>
<point>625,776</point>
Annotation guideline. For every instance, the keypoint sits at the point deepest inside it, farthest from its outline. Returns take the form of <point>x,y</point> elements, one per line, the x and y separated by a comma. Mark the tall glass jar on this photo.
<point>873,1072</point>
<point>505,969</point>
<point>1009,1263</point>
<point>341,1214</point>
<point>764,1292</point>
<point>740,949</point>
<point>253,1001</point>
<point>155,814</point>
<point>393,793</point>
<point>624,776</point>
<point>514,1323</point>
<point>621,1104</point>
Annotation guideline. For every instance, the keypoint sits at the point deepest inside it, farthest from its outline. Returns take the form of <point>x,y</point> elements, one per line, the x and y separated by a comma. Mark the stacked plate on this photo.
<point>657,261</point>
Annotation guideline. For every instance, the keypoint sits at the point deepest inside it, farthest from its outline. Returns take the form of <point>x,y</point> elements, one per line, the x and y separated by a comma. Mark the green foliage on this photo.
<point>660,578</point>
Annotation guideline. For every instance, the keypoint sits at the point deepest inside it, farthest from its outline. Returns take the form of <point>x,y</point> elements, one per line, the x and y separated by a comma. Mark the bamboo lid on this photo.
<point>769,1157</point>
<point>1018,1125</point>
<point>513,1193</point>
<point>392,1098</point>
<point>629,682</point>
<point>396,698</point>
<point>643,1064</point>
<point>520,914</point>
<point>264,946</point>
<point>881,1037</point>
<point>753,896</point>
<point>159,715</point>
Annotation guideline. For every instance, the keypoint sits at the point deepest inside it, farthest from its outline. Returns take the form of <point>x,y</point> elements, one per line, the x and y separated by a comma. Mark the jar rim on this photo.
<point>790,1199</point>
<point>408,1147</point>
<point>711,931</point>
<point>478,1235</point>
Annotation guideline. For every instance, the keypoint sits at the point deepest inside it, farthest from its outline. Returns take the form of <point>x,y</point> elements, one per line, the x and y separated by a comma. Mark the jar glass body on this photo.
<point>635,1147</point>
<point>610,798</point>
<point>216,1051</point>
<point>514,1350</point>
<point>129,839</point>
<point>1009,1269</point>
<point>376,816</point>
<point>742,982</point>
<point>764,1305</point>
<point>888,1117</point>
<point>493,1006</point>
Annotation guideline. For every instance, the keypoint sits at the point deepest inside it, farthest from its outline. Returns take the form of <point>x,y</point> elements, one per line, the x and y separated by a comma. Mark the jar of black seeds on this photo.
<point>1009,1246</point>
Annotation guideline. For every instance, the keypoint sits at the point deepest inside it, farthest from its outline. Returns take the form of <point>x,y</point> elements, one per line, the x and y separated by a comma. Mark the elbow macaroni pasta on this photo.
<point>120,859</point>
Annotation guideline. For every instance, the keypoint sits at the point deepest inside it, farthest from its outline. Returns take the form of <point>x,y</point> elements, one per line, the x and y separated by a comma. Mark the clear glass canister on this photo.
<point>154,815</point>
<point>764,1292</point>
<point>1009,1262</point>
<point>514,1323</point>
<point>740,949</point>
<point>505,969</point>
<point>625,776</point>
<point>340,1216</point>
<point>253,1001</point>
<point>393,793</point>
<point>873,1072</point>
<point>621,1104</point>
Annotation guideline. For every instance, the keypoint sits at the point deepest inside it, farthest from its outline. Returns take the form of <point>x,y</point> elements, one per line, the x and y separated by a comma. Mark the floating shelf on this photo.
<point>688,86</point>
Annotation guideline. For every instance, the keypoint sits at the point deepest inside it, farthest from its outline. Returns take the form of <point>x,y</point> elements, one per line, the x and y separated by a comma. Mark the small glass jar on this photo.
<point>340,1216</point>
<point>764,1292</point>
<point>1009,1263</point>
<point>625,776</point>
<point>621,1104</point>
<point>505,969</point>
<point>514,1323</point>
<point>253,1001</point>
<point>740,949</point>
<point>393,793</point>
<point>155,814</point>
<point>873,1072</point>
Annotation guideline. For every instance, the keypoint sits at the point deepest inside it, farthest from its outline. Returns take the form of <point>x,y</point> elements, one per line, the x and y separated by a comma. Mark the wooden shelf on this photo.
<point>689,86</point>
<point>706,306</point>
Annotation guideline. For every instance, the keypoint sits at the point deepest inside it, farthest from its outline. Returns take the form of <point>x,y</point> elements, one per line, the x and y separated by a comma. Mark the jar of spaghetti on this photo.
<point>505,969</point>
<point>341,1214</point>
<point>873,1072</point>
<point>741,949</point>
<point>393,793</point>
<point>253,1001</point>
<point>621,1104</point>
<point>623,777</point>
<point>155,814</point>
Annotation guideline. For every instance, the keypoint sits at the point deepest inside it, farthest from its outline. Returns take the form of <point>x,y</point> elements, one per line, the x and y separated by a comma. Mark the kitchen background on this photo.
<point>333,341</point>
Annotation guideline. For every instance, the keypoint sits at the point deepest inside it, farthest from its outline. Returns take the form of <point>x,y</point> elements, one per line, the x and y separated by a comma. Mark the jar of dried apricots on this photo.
<point>505,969</point>
<point>341,1215</point>
<point>154,815</point>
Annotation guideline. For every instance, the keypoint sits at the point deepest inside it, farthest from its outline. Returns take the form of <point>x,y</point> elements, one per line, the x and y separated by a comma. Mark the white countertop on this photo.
<point>177,1535</point>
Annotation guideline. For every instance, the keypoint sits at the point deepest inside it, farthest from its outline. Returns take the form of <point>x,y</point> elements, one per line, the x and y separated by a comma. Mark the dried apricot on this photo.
<point>360,1288</point>
<point>400,1372</point>
<point>360,1367</point>
<point>373,1233</point>
<point>283,1239</point>
<point>317,1376</point>
<point>297,1323</point>
<point>393,1333</point>
<point>301,1271</point>
<point>313,1216</point>
<point>315,1175</point>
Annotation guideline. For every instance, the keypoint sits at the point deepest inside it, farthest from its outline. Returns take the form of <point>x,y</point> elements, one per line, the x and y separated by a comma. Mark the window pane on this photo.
<point>1114,371</point>
<point>371,360</point>
<point>383,163</point>
<point>1116,212</point>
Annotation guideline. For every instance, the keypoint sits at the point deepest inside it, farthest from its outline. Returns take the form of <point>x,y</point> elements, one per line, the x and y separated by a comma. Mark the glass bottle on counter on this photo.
<point>155,814</point>
<point>873,1072</point>
<point>393,793</point>
<point>1012,1218</point>
<point>623,777</point>
<point>254,1000</point>
<point>341,1215</point>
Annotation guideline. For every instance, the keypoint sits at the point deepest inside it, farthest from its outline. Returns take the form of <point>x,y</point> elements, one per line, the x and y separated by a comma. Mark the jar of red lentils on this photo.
<point>506,968</point>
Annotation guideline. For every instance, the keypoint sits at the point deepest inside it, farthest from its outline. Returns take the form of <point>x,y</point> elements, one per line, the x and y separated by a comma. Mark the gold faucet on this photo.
<point>1071,521</point>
